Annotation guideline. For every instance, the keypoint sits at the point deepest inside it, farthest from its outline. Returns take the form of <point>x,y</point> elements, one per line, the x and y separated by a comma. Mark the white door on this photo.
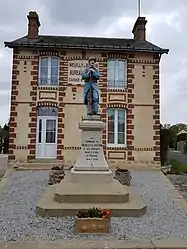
<point>46,146</point>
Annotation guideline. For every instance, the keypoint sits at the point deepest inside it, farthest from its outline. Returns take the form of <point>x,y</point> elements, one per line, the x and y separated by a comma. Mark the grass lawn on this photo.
<point>178,167</point>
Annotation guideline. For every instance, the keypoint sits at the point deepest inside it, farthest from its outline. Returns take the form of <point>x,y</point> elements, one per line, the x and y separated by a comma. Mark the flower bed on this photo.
<point>94,221</point>
<point>123,176</point>
<point>56,175</point>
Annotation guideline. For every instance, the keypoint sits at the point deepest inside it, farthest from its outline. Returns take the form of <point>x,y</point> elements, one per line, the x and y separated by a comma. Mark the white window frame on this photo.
<point>49,71</point>
<point>125,74</point>
<point>115,144</point>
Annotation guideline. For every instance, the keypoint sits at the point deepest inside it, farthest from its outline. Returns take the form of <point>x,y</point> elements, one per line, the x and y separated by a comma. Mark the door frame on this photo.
<point>44,118</point>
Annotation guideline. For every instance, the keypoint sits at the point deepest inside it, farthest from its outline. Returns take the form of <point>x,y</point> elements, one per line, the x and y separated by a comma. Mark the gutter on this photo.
<point>82,47</point>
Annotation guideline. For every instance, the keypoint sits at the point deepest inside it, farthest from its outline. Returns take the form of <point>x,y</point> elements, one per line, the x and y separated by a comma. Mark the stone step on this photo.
<point>99,192</point>
<point>45,160</point>
<point>47,206</point>
<point>35,165</point>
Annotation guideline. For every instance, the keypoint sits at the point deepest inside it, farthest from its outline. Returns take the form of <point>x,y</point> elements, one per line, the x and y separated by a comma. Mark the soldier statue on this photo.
<point>91,76</point>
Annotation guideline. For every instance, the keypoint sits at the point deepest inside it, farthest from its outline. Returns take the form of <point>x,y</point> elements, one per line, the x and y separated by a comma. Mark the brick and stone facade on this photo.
<point>140,99</point>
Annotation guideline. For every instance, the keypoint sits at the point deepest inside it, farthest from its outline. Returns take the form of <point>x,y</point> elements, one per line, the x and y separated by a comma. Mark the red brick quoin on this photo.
<point>63,83</point>
<point>130,107</point>
<point>156,113</point>
<point>103,100</point>
<point>33,113</point>
<point>13,105</point>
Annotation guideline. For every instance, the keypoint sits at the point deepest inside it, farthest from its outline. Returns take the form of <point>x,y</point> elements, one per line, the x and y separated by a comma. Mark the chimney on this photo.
<point>33,25</point>
<point>139,30</point>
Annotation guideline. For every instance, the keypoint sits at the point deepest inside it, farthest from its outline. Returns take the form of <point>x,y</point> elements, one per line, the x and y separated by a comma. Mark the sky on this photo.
<point>166,28</point>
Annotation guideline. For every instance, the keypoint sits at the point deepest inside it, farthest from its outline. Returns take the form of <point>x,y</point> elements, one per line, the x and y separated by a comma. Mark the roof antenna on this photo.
<point>139,8</point>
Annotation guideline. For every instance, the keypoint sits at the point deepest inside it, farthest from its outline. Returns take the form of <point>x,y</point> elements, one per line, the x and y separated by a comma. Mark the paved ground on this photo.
<point>79,244</point>
<point>178,156</point>
<point>179,181</point>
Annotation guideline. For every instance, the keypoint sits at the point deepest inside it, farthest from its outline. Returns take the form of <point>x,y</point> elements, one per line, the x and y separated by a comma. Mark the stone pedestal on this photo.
<point>91,157</point>
<point>90,183</point>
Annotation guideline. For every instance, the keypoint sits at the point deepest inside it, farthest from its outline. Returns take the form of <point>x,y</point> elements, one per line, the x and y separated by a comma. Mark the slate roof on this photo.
<point>47,41</point>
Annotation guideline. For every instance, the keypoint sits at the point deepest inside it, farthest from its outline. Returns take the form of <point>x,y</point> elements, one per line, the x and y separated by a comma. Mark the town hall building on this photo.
<point>47,95</point>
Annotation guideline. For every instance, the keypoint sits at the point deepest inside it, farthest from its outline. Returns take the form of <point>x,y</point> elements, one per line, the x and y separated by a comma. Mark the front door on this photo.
<point>46,146</point>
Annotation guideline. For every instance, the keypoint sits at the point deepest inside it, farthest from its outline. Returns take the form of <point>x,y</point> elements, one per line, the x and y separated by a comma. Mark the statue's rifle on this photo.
<point>91,94</point>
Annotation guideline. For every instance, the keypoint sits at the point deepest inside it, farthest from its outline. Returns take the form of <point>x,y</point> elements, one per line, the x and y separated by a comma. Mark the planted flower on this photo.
<point>94,213</point>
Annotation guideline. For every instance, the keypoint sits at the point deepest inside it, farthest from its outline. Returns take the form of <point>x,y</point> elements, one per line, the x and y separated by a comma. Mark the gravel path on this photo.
<point>164,218</point>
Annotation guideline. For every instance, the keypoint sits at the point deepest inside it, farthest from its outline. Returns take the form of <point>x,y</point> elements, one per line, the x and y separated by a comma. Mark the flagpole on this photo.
<point>139,8</point>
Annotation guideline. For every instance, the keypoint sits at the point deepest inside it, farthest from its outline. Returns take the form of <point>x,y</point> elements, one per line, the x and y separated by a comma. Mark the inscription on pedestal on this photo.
<point>91,148</point>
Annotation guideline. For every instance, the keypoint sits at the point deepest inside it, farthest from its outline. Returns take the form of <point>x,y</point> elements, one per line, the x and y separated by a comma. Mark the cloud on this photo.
<point>91,12</point>
<point>166,27</point>
<point>4,106</point>
<point>5,82</point>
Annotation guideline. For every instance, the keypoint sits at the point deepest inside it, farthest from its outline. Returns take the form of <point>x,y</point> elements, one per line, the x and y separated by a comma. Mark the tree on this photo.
<point>166,126</point>
<point>1,139</point>
<point>4,138</point>
<point>174,130</point>
<point>165,137</point>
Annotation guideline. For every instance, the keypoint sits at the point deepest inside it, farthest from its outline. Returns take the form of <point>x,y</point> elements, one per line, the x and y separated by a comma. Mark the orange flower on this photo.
<point>108,212</point>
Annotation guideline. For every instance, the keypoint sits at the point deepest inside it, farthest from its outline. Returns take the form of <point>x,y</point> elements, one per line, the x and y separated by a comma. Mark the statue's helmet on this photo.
<point>92,59</point>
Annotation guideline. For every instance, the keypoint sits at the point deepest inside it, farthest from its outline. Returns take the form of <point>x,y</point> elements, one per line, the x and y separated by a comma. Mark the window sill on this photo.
<point>116,146</point>
<point>47,87</point>
<point>109,89</point>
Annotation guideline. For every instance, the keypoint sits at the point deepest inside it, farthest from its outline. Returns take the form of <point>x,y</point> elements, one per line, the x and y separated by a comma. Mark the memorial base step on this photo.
<point>48,207</point>
<point>94,191</point>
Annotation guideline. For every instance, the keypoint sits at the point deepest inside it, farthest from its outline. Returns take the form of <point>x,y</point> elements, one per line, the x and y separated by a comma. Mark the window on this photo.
<point>40,132</point>
<point>116,127</point>
<point>49,71</point>
<point>50,131</point>
<point>117,73</point>
<point>47,111</point>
